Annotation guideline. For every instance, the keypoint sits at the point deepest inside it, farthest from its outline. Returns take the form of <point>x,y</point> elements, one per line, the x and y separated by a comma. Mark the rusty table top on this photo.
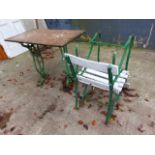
<point>57,38</point>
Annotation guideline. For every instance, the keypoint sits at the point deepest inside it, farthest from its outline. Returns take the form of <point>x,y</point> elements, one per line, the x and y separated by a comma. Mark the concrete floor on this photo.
<point>28,109</point>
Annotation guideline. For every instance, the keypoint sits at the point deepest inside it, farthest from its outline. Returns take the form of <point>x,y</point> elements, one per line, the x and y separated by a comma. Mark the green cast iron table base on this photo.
<point>38,62</point>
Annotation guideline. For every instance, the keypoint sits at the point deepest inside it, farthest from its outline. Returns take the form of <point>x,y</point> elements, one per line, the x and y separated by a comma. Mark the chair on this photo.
<point>105,76</point>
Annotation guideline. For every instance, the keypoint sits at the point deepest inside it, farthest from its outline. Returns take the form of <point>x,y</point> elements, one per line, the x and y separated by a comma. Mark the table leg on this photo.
<point>38,62</point>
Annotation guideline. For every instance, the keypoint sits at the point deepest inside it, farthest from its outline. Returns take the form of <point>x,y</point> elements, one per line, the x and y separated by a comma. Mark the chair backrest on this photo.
<point>98,66</point>
<point>126,49</point>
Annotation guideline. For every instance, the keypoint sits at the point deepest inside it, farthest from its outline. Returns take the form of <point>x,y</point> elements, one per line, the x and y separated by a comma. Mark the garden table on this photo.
<point>33,40</point>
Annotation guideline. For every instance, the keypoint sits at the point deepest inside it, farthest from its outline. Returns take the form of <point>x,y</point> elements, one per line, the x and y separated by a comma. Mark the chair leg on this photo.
<point>85,92</point>
<point>98,54</point>
<point>110,107</point>
<point>76,95</point>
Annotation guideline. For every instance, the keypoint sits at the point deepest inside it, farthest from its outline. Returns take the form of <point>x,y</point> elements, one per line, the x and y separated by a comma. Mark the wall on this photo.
<point>118,30</point>
<point>113,30</point>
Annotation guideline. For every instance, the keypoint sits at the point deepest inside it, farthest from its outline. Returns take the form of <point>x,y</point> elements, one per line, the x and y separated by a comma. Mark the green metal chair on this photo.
<point>101,75</point>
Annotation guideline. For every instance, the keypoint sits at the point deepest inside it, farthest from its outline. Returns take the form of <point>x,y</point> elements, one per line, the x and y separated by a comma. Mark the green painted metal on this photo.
<point>77,54</point>
<point>106,44</point>
<point>96,41</point>
<point>76,51</point>
<point>111,103</point>
<point>74,73</point>
<point>113,58</point>
<point>90,51</point>
<point>122,59</point>
<point>88,56</point>
<point>95,36</point>
<point>62,53</point>
<point>91,45</point>
<point>85,92</point>
<point>126,53</point>
<point>98,53</point>
<point>76,82</point>
<point>67,70</point>
<point>126,50</point>
<point>125,56</point>
<point>113,98</point>
<point>131,41</point>
<point>38,62</point>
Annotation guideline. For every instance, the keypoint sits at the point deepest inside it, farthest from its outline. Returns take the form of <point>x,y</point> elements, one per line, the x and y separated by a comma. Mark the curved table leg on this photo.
<point>38,62</point>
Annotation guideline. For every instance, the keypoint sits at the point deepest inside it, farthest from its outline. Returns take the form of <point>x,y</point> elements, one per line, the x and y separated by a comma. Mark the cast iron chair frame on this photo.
<point>126,54</point>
